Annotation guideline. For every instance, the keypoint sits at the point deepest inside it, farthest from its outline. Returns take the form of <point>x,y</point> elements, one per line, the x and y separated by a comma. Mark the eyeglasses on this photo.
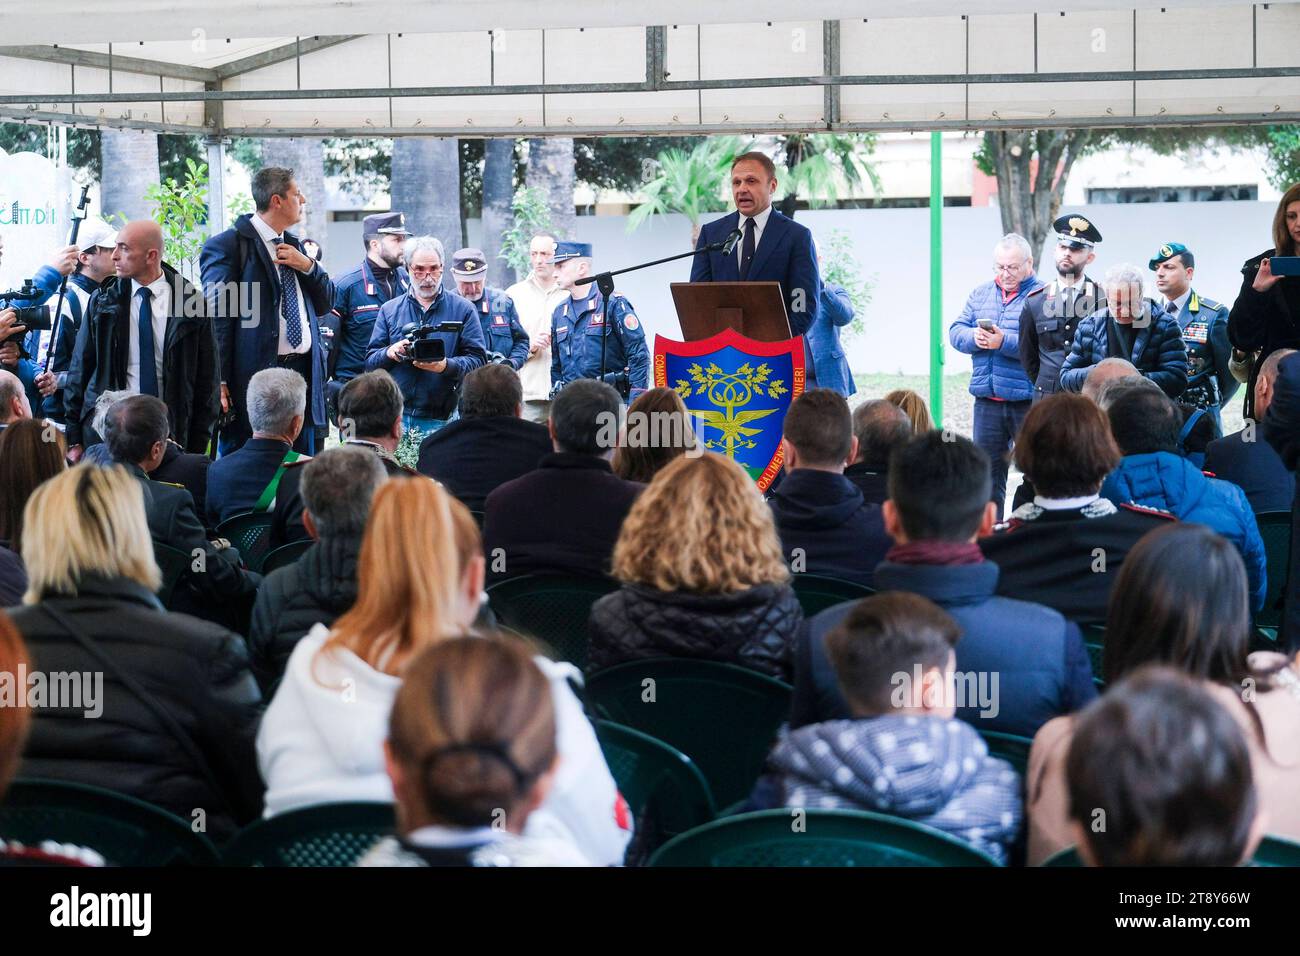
<point>427,271</point>
<point>1015,267</point>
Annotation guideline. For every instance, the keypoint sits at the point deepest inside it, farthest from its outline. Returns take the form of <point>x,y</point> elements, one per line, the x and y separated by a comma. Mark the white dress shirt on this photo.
<point>760,223</point>
<point>535,303</point>
<point>1179,302</point>
<point>268,234</point>
<point>160,305</point>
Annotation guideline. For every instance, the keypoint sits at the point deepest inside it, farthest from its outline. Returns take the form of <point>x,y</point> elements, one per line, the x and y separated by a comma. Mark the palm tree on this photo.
<point>690,183</point>
<point>821,166</point>
<point>306,157</point>
<point>426,186</point>
<point>498,189</point>
<point>130,162</point>
<point>551,169</point>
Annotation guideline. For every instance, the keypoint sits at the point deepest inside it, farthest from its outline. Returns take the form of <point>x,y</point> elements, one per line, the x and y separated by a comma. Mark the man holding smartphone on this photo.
<point>988,330</point>
<point>426,320</point>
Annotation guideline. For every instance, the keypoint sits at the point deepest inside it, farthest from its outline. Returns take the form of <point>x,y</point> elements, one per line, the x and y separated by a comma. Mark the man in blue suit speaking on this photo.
<point>772,248</point>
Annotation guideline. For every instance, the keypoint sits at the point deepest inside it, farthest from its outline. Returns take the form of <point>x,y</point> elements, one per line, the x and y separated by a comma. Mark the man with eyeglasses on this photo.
<point>426,317</point>
<point>988,330</point>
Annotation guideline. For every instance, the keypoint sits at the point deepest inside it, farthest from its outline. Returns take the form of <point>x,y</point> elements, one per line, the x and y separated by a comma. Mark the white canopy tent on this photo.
<point>589,67</point>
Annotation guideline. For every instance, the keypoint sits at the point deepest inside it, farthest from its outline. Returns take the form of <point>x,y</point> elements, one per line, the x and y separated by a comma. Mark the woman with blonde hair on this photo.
<point>419,582</point>
<point>659,430</point>
<point>702,575</point>
<point>913,405</point>
<point>172,706</point>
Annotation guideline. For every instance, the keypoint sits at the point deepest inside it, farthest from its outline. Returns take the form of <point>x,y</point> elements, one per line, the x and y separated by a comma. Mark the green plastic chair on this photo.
<point>826,838</point>
<point>1094,639</point>
<point>817,592</point>
<point>173,563</point>
<point>1069,857</point>
<point>285,555</point>
<point>326,834</point>
<point>552,608</point>
<point>123,830</point>
<point>1275,529</point>
<point>1009,747</point>
<point>723,717</point>
<point>251,534</point>
<point>666,792</point>
<point>1272,851</point>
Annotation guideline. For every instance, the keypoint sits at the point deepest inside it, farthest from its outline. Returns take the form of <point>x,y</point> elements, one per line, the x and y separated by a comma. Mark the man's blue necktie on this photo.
<point>148,370</point>
<point>289,304</point>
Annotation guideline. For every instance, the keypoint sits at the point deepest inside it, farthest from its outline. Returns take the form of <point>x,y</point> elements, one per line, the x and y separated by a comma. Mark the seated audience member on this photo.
<point>1106,386</point>
<point>1281,429</point>
<point>880,427</point>
<point>659,430</point>
<point>1171,770</point>
<point>702,575</point>
<point>564,516</point>
<point>135,431</point>
<point>370,416</point>
<point>490,443</point>
<point>1065,548</point>
<point>1247,460</point>
<point>31,452</point>
<point>14,405</point>
<point>90,609</point>
<point>248,479</point>
<point>419,582</point>
<point>1180,601</point>
<point>890,754</point>
<point>458,760</point>
<point>825,525</point>
<point>938,506</point>
<point>914,407</point>
<point>337,486</point>
<point>1153,474</point>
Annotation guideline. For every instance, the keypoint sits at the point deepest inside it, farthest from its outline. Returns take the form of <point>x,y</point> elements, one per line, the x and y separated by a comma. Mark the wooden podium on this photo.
<point>754,309</point>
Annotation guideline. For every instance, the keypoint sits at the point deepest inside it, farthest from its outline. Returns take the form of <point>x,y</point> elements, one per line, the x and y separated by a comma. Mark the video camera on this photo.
<point>31,316</point>
<point>424,346</point>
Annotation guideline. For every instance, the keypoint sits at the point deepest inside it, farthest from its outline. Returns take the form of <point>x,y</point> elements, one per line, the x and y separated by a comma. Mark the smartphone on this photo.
<point>1285,265</point>
<point>985,324</point>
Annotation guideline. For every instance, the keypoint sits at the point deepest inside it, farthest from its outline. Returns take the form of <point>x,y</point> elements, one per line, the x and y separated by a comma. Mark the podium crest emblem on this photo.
<point>737,391</point>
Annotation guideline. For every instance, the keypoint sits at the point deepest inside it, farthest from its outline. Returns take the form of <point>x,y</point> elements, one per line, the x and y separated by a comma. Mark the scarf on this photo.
<point>935,552</point>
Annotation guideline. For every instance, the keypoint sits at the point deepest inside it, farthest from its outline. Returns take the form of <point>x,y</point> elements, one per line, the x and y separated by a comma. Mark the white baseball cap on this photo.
<point>96,232</point>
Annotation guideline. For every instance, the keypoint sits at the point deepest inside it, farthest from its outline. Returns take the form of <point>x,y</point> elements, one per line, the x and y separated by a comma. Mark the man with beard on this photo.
<point>1052,313</point>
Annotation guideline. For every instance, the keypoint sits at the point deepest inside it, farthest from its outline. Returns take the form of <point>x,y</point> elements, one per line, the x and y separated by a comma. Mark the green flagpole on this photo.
<point>936,278</point>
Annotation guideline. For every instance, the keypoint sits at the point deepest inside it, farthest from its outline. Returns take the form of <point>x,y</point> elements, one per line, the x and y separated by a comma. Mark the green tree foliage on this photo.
<point>181,208</point>
<point>820,167</point>
<point>619,162</point>
<point>83,148</point>
<point>840,265</point>
<point>691,182</point>
<point>531,215</point>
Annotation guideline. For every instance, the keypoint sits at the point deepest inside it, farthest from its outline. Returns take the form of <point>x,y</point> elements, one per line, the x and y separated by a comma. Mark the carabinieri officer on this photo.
<point>577,328</point>
<point>503,334</point>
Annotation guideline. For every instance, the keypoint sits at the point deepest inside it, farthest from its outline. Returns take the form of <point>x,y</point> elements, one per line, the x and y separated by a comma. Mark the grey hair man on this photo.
<point>880,427</point>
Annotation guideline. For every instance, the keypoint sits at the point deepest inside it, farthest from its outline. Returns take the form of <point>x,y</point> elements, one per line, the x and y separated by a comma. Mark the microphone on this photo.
<point>729,244</point>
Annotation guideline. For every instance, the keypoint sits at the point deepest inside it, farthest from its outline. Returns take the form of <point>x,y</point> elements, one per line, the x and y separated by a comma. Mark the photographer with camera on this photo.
<point>428,338</point>
<point>25,323</point>
<point>578,328</point>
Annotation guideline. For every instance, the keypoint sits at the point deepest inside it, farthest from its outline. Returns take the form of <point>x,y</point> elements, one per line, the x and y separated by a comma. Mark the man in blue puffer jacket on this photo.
<point>1146,424</point>
<point>988,330</point>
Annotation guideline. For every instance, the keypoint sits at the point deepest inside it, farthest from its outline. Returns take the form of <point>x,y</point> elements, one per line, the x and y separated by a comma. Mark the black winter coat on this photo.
<point>315,589</point>
<point>1264,322</point>
<point>756,628</point>
<point>196,671</point>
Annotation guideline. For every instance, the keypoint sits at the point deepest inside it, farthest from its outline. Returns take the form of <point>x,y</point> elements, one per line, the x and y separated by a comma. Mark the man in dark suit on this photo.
<point>268,299</point>
<point>221,591</point>
<point>490,443</point>
<point>1247,460</point>
<point>825,525</point>
<point>879,427</point>
<point>147,330</point>
<point>249,479</point>
<point>772,248</point>
<point>565,516</point>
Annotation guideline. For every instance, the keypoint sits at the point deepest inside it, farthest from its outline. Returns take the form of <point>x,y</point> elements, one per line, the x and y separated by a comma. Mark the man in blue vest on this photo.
<point>503,335</point>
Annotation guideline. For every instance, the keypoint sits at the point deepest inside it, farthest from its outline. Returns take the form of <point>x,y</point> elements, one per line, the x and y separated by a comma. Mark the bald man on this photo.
<point>13,399</point>
<point>146,330</point>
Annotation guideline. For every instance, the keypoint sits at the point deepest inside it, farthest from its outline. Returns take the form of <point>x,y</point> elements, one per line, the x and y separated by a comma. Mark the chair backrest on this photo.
<point>666,792</point>
<point>1094,639</point>
<point>123,830</point>
<point>285,554</point>
<point>817,838</point>
<point>250,533</point>
<point>1067,857</point>
<point>172,562</point>
<point>552,608</point>
<point>1009,747</point>
<point>816,592</point>
<point>1275,529</point>
<point>723,717</point>
<point>1276,851</point>
<point>327,834</point>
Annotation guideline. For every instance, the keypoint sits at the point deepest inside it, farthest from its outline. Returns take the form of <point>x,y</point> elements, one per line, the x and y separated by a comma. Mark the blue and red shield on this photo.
<point>738,391</point>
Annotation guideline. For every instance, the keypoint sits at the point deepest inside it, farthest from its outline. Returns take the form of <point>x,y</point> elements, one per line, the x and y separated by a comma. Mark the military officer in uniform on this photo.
<point>578,328</point>
<point>503,334</point>
<point>359,294</point>
<point>1204,323</point>
<point>1052,313</point>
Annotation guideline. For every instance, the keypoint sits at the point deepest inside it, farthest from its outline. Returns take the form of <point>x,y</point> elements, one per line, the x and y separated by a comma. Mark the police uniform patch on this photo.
<point>630,322</point>
<point>561,329</point>
<point>498,320</point>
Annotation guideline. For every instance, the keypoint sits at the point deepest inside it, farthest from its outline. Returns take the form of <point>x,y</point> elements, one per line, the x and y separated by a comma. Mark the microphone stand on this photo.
<point>63,285</point>
<point>605,283</point>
